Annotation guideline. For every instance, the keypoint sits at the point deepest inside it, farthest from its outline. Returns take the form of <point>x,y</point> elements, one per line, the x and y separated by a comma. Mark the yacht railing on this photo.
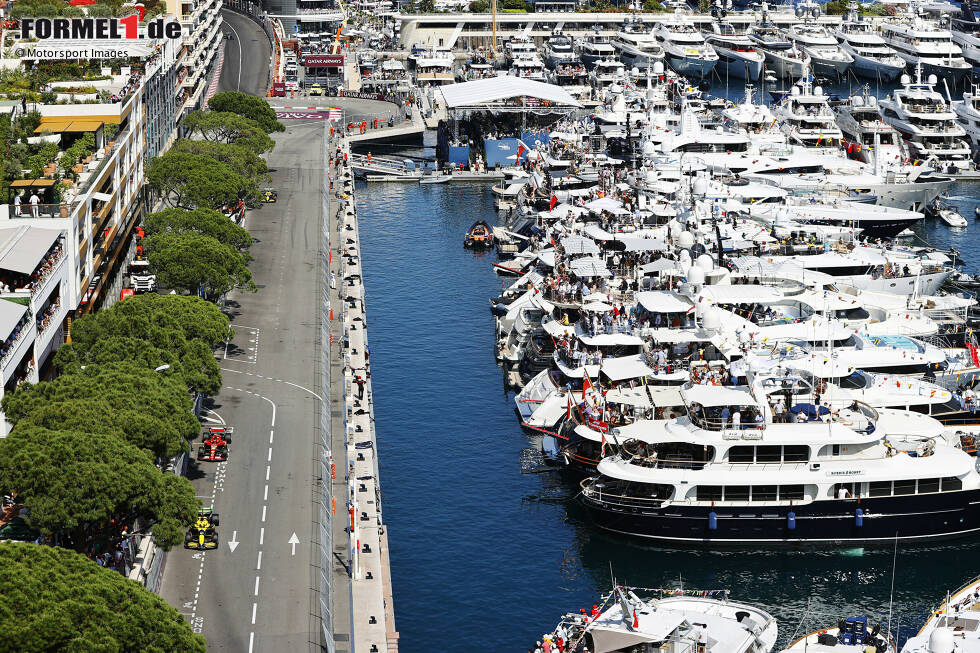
<point>612,498</point>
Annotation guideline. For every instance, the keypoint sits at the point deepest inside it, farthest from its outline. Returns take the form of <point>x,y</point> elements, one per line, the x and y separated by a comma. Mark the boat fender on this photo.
<point>791,521</point>
<point>712,521</point>
<point>859,517</point>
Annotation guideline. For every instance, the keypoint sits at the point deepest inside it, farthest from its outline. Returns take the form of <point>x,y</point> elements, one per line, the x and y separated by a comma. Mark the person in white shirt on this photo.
<point>17,202</point>
<point>35,202</point>
<point>736,420</point>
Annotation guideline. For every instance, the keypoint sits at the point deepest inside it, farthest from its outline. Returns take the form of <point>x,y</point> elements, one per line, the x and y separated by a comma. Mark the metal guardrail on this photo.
<point>326,474</point>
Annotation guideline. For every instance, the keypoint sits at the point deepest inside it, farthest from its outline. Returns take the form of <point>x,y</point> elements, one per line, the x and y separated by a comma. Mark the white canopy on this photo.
<point>579,245</point>
<point>642,244</point>
<point>610,339</point>
<point>663,301</point>
<point>718,395</point>
<point>660,265</point>
<point>606,204</point>
<point>625,367</point>
<point>589,266</point>
<point>728,294</point>
<point>598,307</point>
<point>10,314</point>
<point>493,90</point>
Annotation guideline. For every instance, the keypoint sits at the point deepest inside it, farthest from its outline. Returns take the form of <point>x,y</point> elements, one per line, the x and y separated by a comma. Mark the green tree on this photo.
<point>67,478</point>
<point>53,599</point>
<point>248,106</point>
<point>150,410</point>
<point>200,221</point>
<point>479,6</point>
<point>192,180</point>
<point>189,262</point>
<point>227,127</point>
<point>836,7</point>
<point>240,157</point>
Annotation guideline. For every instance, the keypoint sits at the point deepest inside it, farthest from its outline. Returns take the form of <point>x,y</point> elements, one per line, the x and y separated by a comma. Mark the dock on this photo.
<point>361,571</point>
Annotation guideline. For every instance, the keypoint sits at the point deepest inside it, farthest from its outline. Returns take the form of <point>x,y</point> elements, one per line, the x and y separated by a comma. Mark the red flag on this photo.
<point>554,200</point>
<point>569,405</point>
<point>636,620</point>
<point>602,450</point>
<point>586,384</point>
<point>520,151</point>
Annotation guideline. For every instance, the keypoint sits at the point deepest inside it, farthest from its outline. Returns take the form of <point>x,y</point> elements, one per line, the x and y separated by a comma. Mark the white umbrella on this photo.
<point>598,307</point>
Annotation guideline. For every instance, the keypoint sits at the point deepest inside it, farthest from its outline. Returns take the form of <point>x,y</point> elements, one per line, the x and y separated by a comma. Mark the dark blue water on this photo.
<point>485,558</point>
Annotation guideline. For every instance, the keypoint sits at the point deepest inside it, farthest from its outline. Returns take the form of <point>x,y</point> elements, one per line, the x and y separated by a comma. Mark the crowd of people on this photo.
<point>10,343</point>
<point>46,316</point>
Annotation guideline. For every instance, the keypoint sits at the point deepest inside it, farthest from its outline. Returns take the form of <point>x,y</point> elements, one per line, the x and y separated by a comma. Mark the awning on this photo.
<point>663,301</point>
<point>718,395</point>
<point>102,197</point>
<point>660,265</point>
<point>10,314</point>
<point>728,294</point>
<point>625,367</point>
<point>63,126</point>
<point>589,266</point>
<point>642,244</point>
<point>25,250</point>
<point>611,340</point>
<point>579,245</point>
<point>32,183</point>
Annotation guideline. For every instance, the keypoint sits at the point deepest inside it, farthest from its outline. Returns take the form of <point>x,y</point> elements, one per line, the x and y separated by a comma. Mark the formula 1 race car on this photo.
<point>202,536</point>
<point>270,195</point>
<point>215,445</point>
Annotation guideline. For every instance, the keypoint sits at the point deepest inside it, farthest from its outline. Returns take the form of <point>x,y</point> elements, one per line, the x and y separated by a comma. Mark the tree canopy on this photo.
<point>152,330</point>
<point>191,181</point>
<point>53,599</point>
<point>150,410</point>
<point>200,221</point>
<point>249,106</point>
<point>243,159</point>
<point>188,262</point>
<point>92,477</point>
<point>227,127</point>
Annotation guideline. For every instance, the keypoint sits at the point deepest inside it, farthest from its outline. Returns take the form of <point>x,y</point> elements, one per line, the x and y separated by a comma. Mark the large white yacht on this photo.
<point>782,57</point>
<point>732,472</point>
<point>806,118</point>
<point>667,620</point>
<point>873,58</point>
<point>967,113</point>
<point>559,49</point>
<point>595,46</point>
<point>926,43</point>
<point>528,66</point>
<point>953,626</point>
<point>929,126</point>
<point>637,45</point>
<point>434,67</point>
<point>826,55</point>
<point>965,28</point>
<point>866,134</point>
<point>519,45</point>
<point>606,72</point>
<point>737,55</point>
<point>685,49</point>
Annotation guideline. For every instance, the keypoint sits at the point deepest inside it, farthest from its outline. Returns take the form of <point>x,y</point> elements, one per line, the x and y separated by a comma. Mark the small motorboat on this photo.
<point>434,179</point>
<point>479,236</point>
<point>952,217</point>
<point>976,213</point>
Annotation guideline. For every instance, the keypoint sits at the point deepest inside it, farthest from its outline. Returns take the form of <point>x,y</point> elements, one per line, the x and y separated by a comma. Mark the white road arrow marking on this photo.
<point>294,540</point>
<point>233,542</point>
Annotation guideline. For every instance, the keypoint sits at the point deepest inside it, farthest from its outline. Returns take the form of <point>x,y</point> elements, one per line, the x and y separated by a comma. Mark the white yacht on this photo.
<point>528,66</point>
<point>559,49</point>
<point>806,118</point>
<point>737,55</point>
<point>826,55</point>
<point>730,472</point>
<point>686,51</point>
<point>965,28</point>
<point>924,42</point>
<point>967,113</point>
<point>606,72</point>
<point>873,58</point>
<point>866,134</point>
<point>782,57</point>
<point>854,634</point>
<point>595,46</point>
<point>668,620</point>
<point>572,75</point>
<point>637,45</point>
<point>434,67</point>
<point>518,46</point>
<point>928,125</point>
<point>953,626</point>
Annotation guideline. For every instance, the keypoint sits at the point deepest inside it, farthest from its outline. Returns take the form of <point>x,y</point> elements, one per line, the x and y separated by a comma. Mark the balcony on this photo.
<point>16,345</point>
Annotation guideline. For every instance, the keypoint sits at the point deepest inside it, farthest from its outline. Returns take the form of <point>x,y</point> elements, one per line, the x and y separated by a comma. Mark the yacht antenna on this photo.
<point>891,596</point>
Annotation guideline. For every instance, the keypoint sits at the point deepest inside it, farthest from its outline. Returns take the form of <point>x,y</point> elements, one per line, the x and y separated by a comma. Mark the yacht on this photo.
<point>595,46</point>
<point>953,626</point>
<point>434,67</point>
<point>737,55</point>
<point>865,134</point>
<point>572,75</point>
<point>606,72</point>
<point>729,473</point>
<point>873,58</point>
<point>476,67</point>
<point>782,57</point>
<point>967,113</point>
<point>668,620</point>
<point>924,42</point>
<point>528,66</point>
<point>854,634</point>
<point>518,46</point>
<point>965,28</point>
<point>686,51</point>
<point>929,126</point>
<point>637,46</point>
<point>559,49</point>
<point>806,118</point>
<point>827,58</point>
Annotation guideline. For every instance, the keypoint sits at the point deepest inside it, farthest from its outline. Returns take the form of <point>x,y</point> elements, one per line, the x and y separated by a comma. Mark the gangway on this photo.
<point>385,165</point>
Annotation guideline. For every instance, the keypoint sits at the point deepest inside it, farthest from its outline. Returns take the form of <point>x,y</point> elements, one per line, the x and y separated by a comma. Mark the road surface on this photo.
<point>246,66</point>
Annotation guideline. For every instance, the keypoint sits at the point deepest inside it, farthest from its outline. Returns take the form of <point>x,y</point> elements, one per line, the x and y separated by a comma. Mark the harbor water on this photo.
<point>485,558</point>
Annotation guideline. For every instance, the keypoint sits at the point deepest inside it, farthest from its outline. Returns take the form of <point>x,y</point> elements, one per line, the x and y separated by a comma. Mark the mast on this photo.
<point>493,26</point>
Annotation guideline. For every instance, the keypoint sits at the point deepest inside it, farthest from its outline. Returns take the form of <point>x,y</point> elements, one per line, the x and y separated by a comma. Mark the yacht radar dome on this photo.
<point>941,641</point>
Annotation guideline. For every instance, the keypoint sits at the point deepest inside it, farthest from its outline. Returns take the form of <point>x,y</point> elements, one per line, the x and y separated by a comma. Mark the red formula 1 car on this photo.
<point>215,445</point>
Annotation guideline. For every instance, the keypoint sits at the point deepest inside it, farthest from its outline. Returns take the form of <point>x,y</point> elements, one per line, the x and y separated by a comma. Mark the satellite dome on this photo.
<point>818,90</point>
<point>686,240</point>
<point>696,275</point>
<point>857,101</point>
<point>712,319</point>
<point>933,80</point>
<point>685,256</point>
<point>705,262</point>
<point>906,80</point>
<point>658,68</point>
<point>941,641</point>
<point>795,90</point>
<point>700,186</point>
<point>872,101</point>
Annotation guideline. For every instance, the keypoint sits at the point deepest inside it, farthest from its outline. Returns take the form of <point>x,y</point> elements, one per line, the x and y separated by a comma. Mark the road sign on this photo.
<point>294,540</point>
